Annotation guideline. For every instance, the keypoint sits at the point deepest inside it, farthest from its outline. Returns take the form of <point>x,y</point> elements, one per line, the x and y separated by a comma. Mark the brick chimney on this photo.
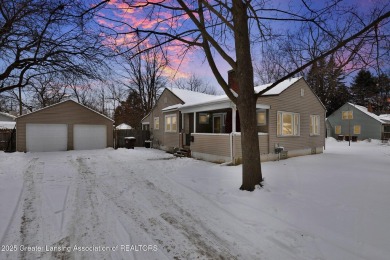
<point>232,81</point>
<point>369,107</point>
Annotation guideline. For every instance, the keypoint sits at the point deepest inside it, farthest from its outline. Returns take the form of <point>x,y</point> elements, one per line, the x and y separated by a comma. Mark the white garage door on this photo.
<point>88,137</point>
<point>46,137</point>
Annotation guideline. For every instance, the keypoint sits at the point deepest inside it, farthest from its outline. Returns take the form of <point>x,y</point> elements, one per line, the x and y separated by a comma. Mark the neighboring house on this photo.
<point>67,125</point>
<point>7,121</point>
<point>289,116</point>
<point>354,120</point>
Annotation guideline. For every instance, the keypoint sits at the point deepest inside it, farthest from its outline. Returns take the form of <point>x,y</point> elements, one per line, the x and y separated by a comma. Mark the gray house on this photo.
<point>354,120</point>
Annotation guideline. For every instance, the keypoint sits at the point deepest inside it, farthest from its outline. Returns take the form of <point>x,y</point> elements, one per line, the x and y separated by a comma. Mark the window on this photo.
<point>204,118</point>
<point>261,118</point>
<point>170,123</point>
<point>337,129</point>
<point>347,115</point>
<point>288,124</point>
<point>356,129</point>
<point>314,125</point>
<point>156,123</point>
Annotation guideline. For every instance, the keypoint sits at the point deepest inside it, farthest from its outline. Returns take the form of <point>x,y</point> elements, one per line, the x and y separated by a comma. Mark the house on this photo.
<point>67,125</point>
<point>164,121</point>
<point>354,120</point>
<point>289,116</point>
<point>7,121</point>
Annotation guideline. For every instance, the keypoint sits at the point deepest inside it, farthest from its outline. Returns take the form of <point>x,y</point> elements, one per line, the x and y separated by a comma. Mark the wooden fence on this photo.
<point>8,140</point>
<point>140,135</point>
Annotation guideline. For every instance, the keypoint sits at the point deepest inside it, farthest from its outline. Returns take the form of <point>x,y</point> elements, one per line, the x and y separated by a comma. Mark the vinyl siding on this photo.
<point>215,144</point>
<point>263,144</point>
<point>69,113</point>
<point>291,100</point>
<point>159,137</point>
<point>171,139</point>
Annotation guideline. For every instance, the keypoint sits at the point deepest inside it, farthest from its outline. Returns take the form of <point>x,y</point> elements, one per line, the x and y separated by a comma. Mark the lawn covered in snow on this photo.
<point>145,204</point>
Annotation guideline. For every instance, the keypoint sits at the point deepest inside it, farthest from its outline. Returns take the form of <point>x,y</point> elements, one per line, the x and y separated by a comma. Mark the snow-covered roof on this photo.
<point>210,99</point>
<point>385,118</point>
<point>123,126</point>
<point>8,115</point>
<point>7,124</point>
<point>213,99</point>
<point>278,88</point>
<point>365,110</point>
<point>188,96</point>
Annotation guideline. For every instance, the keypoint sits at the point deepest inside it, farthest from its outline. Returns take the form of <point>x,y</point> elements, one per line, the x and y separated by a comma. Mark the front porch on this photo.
<point>213,134</point>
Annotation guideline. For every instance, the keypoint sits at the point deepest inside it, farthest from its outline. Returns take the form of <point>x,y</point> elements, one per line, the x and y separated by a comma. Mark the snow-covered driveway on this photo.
<point>145,204</point>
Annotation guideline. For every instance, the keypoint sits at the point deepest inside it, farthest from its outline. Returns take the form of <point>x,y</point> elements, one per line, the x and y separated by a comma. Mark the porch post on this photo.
<point>194,122</point>
<point>234,116</point>
<point>182,121</point>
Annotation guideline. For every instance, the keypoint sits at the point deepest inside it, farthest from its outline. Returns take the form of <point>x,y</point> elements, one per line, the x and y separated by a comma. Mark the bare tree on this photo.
<point>195,83</point>
<point>46,90</point>
<point>271,65</point>
<point>229,30</point>
<point>43,37</point>
<point>144,73</point>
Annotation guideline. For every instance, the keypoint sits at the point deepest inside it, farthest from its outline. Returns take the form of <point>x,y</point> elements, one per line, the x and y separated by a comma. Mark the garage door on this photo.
<point>88,137</point>
<point>46,137</point>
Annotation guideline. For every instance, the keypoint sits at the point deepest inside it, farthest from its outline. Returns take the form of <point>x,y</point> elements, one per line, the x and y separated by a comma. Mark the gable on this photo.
<point>292,98</point>
<point>65,111</point>
<point>166,99</point>
<point>359,114</point>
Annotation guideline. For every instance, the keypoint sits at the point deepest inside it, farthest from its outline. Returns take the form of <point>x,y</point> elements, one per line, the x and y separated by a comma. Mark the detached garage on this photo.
<point>61,127</point>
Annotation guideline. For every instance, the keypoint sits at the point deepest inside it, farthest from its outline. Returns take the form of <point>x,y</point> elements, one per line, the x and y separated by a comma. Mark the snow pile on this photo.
<point>146,204</point>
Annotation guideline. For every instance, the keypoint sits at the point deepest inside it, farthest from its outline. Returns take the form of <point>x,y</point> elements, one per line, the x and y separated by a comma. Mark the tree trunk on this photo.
<point>246,101</point>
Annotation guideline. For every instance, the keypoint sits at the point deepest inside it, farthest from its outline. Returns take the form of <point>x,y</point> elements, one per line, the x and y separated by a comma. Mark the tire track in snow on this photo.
<point>31,228</point>
<point>18,203</point>
<point>175,222</point>
<point>85,227</point>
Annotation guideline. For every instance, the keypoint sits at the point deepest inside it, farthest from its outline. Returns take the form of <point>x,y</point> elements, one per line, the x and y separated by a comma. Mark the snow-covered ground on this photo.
<point>145,204</point>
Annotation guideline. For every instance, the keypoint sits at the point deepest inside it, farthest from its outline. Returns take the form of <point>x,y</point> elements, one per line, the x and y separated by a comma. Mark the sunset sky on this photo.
<point>194,61</point>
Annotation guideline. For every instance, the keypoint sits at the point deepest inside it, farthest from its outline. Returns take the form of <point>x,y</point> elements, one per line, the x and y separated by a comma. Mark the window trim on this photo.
<point>316,124</point>
<point>296,126</point>
<point>170,130</point>
<point>156,126</point>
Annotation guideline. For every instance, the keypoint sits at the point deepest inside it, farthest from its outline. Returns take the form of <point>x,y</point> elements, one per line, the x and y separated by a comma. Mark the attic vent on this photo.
<point>302,92</point>
<point>165,100</point>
